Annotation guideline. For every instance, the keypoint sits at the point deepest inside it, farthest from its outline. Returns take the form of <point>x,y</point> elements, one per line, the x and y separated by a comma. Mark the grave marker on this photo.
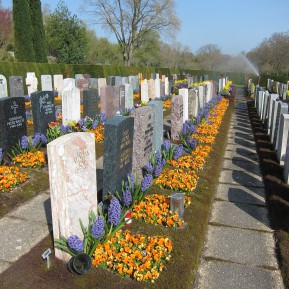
<point>3,86</point>
<point>176,116</point>
<point>12,121</point>
<point>185,94</point>
<point>70,105</point>
<point>43,110</point>
<point>58,83</point>
<point>31,82</point>
<point>90,103</point>
<point>282,137</point>
<point>16,86</point>
<point>73,191</point>
<point>117,160</point>
<point>46,82</point>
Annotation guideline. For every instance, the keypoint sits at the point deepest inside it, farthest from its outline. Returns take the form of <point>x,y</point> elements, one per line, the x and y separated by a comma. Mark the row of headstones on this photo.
<point>274,114</point>
<point>277,87</point>
<point>128,144</point>
<point>81,81</point>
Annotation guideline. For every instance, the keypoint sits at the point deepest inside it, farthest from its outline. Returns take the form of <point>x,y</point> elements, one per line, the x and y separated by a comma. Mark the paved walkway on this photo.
<point>239,252</point>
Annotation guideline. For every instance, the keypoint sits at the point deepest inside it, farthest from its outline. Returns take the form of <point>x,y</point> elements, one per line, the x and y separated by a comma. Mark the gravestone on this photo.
<point>282,108</point>
<point>90,103</point>
<point>162,89</point>
<point>260,101</point>
<point>43,110</point>
<point>122,97</point>
<point>111,80</point>
<point>117,158</point>
<point>282,137</point>
<point>286,162</point>
<point>73,190</point>
<point>142,138</point>
<point>193,103</point>
<point>70,105</point>
<point>107,103</point>
<point>82,83</point>
<point>171,85</point>
<point>93,83</point>
<point>128,96</point>
<point>124,80</point>
<point>31,82</point>
<point>167,88</point>
<point>58,83</point>
<point>117,80</point>
<point>158,123</point>
<point>68,83</point>
<point>16,86</point>
<point>116,98</point>
<point>273,120</point>
<point>201,96</point>
<point>157,87</point>
<point>265,107</point>
<point>12,121</point>
<point>87,76</point>
<point>144,91</point>
<point>209,91</point>
<point>3,86</point>
<point>272,97</point>
<point>77,77</point>
<point>184,92</point>
<point>151,89</point>
<point>101,82</point>
<point>46,82</point>
<point>177,112</point>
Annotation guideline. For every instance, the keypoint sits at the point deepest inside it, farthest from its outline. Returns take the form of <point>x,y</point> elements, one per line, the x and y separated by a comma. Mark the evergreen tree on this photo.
<point>24,50</point>
<point>66,36</point>
<point>38,35</point>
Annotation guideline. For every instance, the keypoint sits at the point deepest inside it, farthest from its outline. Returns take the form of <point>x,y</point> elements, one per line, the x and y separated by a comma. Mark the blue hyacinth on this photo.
<point>97,228</point>
<point>102,117</point>
<point>127,197</point>
<point>1,155</point>
<point>178,152</point>
<point>158,156</point>
<point>146,182</point>
<point>192,143</point>
<point>158,169</point>
<point>36,140</point>
<point>43,138</point>
<point>114,211</point>
<point>24,142</point>
<point>75,243</point>
<point>166,145</point>
<point>148,168</point>
<point>95,124</point>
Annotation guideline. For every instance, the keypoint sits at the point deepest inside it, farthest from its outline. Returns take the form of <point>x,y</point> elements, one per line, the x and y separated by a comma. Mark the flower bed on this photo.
<point>155,209</point>
<point>33,159</point>
<point>136,256</point>
<point>10,177</point>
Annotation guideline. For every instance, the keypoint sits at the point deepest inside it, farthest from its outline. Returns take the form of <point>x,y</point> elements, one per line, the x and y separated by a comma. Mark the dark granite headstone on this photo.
<point>90,103</point>
<point>16,86</point>
<point>143,138</point>
<point>12,121</point>
<point>43,110</point>
<point>111,80</point>
<point>117,159</point>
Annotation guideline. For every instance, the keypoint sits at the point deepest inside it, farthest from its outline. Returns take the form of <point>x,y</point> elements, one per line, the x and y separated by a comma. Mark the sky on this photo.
<point>235,26</point>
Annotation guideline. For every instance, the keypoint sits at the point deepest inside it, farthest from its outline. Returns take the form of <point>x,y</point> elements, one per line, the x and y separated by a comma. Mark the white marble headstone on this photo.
<point>157,88</point>
<point>70,105</point>
<point>101,83</point>
<point>282,137</point>
<point>184,92</point>
<point>73,191</point>
<point>46,82</point>
<point>144,91</point>
<point>68,83</point>
<point>3,86</point>
<point>58,83</point>
<point>31,82</point>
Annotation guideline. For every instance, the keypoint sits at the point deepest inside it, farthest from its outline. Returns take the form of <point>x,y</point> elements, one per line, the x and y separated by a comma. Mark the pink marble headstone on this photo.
<point>72,177</point>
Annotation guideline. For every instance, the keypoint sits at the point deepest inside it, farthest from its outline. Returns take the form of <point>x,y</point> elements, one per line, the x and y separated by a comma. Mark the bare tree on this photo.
<point>131,21</point>
<point>209,57</point>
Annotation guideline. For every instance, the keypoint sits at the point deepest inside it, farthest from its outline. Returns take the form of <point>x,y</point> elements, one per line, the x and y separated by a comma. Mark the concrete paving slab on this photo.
<point>37,209</point>
<point>239,134</point>
<point>241,216</point>
<point>223,275</point>
<point>18,237</point>
<point>243,178</point>
<point>240,194</point>
<point>241,153</point>
<point>235,147</point>
<point>241,142</point>
<point>241,246</point>
<point>241,165</point>
<point>242,128</point>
